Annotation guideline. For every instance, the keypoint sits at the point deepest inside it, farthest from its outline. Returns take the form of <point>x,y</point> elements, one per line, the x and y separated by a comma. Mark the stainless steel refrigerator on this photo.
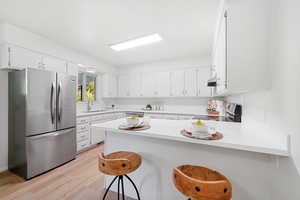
<point>42,121</point>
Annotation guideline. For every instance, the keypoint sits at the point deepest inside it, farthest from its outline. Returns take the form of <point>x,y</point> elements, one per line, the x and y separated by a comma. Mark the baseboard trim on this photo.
<point>3,169</point>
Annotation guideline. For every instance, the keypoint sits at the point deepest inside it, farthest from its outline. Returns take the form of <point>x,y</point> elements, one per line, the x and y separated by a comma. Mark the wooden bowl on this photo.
<point>200,183</point>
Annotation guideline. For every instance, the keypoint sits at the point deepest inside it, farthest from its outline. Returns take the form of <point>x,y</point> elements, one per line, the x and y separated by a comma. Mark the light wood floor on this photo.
<point>76,180</point>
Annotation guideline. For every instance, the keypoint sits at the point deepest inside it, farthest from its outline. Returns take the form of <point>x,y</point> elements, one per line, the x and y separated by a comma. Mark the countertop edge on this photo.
<point>82,114</point>
<point>263,150</point>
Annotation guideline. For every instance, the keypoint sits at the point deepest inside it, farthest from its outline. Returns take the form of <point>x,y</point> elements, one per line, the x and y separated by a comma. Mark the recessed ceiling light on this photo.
<point>141,41</point>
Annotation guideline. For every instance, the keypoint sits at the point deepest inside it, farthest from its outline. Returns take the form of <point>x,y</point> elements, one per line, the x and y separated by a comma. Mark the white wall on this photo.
<point>279,107</point>
<point>26,39</point>
<point>3,121</point>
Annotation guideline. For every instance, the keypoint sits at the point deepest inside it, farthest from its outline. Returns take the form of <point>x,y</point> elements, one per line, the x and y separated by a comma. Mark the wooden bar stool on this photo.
<point>119,164</point>
<point>200,183</point>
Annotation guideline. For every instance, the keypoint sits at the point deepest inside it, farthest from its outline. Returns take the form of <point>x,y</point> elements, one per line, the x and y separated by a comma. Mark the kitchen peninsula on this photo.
<point>163,148</point>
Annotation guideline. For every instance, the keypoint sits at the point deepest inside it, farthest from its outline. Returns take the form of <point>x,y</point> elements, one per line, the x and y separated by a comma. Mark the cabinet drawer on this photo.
<point>83,120</point>
<point>97,118</point>
<point>82,136</point>
<point>82,128</point>
<point>82,145</point>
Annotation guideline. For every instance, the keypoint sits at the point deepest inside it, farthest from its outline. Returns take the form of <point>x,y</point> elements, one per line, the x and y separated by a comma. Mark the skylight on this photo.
<point>141,41</point>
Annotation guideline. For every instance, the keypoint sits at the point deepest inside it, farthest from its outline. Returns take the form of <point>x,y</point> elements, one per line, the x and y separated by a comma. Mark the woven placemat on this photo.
<point>215,136</point>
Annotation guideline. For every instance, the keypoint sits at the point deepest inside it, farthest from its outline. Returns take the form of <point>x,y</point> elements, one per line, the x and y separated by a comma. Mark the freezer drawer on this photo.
<point>47,151</point>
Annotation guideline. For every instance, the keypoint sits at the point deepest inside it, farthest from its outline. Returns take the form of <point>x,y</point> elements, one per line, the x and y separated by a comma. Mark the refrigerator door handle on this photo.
<point>55,134</point>
<point>59,107</point>
<point>52,106</point>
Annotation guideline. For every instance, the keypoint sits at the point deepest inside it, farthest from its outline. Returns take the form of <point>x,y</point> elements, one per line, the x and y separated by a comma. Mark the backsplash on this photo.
<point>187,105</point>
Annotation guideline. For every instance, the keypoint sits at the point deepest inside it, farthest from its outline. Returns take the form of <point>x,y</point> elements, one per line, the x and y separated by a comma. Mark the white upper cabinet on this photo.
<point>190,83</point>
<point>17,57</point>
<point>220,57</point>
<point>156,84</point>
<point>72,69</point>
<point>184,83</point>
<point>4,56</point>
<point>124,85</point>
<point>135,84</point>
<point>202,76</point>
<point>177,83</point>
<point>162,84</point>
<point>54,64</point>
<point>148,85</point>
<point>109,83</point>
<point>240,55</point>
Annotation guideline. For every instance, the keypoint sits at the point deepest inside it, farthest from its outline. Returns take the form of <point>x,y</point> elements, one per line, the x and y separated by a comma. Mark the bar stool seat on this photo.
<point>119,164</point>
<point>200,183</point>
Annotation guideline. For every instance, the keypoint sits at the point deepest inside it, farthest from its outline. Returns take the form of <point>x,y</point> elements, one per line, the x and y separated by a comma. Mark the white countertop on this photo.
<point>85,114</point>
<point>258,139</point>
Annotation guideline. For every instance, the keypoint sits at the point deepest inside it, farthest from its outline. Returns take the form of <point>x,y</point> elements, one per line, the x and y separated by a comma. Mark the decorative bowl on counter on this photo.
<point>132,120</point>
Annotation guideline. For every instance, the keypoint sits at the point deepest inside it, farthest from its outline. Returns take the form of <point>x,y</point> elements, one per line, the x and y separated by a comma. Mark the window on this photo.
<point>86,87</point>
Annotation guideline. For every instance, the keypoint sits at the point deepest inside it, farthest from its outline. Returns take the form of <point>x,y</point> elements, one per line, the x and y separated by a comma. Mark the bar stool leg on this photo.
<point>109,187</point>
<point>122,183</point>
<point>136,190</point>
<point>119,188</point>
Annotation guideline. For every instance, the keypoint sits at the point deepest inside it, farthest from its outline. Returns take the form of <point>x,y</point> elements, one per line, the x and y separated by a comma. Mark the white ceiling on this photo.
<point>90,26</point>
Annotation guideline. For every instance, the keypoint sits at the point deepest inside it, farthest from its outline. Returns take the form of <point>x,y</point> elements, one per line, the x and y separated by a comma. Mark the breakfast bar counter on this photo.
<point>235,136</point>
<point>244,156</point>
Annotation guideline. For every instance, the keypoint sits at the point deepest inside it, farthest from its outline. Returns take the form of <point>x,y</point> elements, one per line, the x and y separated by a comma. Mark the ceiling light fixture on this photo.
<point>141,41</point>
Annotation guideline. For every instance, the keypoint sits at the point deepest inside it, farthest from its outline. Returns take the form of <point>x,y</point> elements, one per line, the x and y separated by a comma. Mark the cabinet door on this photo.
<point>220,59</point>
<point>162,86</point>
<point>113,85</point>
<point>177,83</point>
<point>72,69</point>
<point>123,85</point>
<point>54,64</point>
<point>203,75</point>
<point>148,84</point>
<point>190,83</point>
<point>97,135</point>
<point>22,58</point>
<point>135,84</point>
<point>4,56</point>
<point>109,82</point>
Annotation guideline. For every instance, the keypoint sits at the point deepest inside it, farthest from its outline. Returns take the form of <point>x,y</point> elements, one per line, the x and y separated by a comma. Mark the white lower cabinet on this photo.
<point>83,133</point>
<point>87,135</point>
<point>83,145</point>
<point>83,136</point>
<point>97,136</point>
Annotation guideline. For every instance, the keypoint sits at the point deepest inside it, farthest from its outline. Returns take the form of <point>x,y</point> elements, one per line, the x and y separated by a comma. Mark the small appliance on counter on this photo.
<point>234,112</point>
<point>212,107</point>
